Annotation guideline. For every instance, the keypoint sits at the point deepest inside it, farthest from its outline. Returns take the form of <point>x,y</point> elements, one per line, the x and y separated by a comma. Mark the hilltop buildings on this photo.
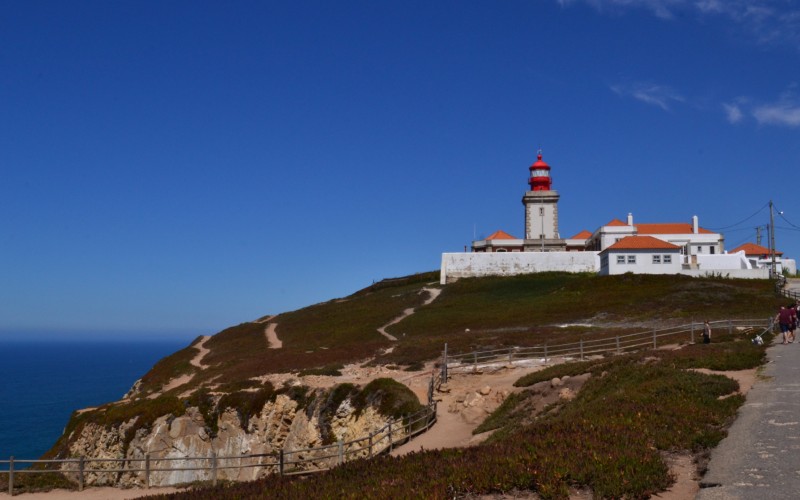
<point>614,248</point>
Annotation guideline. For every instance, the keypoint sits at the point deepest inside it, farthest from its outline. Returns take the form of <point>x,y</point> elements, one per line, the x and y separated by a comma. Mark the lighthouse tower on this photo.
<point>541,211</point>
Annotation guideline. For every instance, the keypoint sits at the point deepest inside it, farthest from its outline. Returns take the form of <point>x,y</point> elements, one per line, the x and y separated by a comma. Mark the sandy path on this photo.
<point>100,493</point>
<point>196,361</point>
<point>272,336</point>
<point>202,351</point>
<point>432,294</point>
<point>452,430</point>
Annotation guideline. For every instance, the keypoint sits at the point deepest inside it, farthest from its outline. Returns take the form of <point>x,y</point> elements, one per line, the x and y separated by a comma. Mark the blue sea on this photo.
<point>43,382</point>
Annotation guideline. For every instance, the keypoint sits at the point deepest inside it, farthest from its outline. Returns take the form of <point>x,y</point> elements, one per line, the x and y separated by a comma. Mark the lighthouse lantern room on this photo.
<point>540,179</point>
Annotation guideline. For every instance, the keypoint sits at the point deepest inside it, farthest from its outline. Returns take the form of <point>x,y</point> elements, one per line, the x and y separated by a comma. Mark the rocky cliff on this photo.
<point>255,422</point>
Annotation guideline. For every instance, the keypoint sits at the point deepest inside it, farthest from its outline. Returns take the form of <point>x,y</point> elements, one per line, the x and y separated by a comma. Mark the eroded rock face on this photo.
<point>280,425</point>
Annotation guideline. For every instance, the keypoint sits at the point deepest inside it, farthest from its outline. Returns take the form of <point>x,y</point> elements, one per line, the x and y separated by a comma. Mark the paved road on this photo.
<point>760,458</point>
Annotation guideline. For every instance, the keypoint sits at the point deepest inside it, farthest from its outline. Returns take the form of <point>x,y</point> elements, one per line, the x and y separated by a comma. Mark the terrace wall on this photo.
<point>471,265</point>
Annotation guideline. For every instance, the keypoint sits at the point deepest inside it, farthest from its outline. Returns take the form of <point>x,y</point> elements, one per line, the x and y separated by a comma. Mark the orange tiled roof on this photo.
<point>753,249</point>
<point>642,243</point>
<point>582,235</point>
<point>500,235</point>
<point>616,222</point>
<point>669,228</point>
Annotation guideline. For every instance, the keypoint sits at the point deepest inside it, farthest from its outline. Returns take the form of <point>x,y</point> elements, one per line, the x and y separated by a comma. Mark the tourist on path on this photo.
<point>706,332</point>
<point>784,319</point>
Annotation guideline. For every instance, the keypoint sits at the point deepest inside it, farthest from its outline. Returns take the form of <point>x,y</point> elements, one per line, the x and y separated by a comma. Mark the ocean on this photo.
<point>43,382</point>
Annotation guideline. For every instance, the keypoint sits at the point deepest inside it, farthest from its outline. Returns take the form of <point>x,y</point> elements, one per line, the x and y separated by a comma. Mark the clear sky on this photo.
<point>174,168</point>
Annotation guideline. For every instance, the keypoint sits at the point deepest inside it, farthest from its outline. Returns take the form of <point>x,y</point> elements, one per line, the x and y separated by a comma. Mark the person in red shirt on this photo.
<point>784,319</point>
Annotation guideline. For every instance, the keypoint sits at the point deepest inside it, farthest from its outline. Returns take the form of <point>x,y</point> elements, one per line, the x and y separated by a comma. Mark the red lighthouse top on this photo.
<point>540,179</point>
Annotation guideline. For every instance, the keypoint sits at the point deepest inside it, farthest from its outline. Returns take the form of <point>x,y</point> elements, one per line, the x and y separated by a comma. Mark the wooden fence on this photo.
<point>284,462</point>
<point>587,347</point>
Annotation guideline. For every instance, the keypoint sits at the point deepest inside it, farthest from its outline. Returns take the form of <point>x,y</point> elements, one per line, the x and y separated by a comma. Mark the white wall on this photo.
<point>753,274</point>
<point>723,261</point>
<point>469,265</point>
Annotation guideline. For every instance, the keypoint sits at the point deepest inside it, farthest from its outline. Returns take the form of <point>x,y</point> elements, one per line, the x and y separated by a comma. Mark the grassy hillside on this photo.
<point>521,310</point>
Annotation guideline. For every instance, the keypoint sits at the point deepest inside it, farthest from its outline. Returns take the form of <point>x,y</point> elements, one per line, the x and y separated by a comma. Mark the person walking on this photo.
<point>784,319</point>
<point>792,321</point>
<point>706,332</point>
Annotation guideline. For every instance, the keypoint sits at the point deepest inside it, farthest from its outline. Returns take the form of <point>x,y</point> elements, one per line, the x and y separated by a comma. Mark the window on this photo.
<point>668,259</point>
<point>699,248</point>
<point>631,259</point>
<point>620,259</point>
<point>656,259</point>
<point>711,250</point>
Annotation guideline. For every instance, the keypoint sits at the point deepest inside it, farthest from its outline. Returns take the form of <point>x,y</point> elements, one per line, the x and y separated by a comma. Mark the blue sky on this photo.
<point>174,168</point>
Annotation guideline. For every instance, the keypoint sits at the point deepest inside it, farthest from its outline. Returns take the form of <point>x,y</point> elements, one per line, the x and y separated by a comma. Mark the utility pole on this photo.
<point>758,235</point>
<point>772,239</point>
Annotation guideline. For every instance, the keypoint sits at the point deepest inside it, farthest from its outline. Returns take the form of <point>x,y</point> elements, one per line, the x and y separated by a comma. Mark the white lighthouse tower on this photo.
<point>541,211</point>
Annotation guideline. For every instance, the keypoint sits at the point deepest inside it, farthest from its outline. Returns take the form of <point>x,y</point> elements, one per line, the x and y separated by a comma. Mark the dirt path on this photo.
<point>202,351</point>
<point>99,493</point>
<point>464,407</point>
<point>272,337</point>
<point>432,294</point>
<point>196,361</point>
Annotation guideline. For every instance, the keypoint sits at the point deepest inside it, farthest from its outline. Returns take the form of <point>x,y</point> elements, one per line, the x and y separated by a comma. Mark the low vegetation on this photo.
<point>610,439</point>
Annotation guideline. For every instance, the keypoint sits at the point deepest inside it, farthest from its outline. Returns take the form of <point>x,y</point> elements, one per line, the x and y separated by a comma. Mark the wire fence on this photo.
<point>587,347</point>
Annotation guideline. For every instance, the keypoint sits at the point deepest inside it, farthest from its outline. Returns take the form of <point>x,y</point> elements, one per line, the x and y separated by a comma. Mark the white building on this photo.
<point>614,248</point>
<point>693,239</point>
<point>641,255</point>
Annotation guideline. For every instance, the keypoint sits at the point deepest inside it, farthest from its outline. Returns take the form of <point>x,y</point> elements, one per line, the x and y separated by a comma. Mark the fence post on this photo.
<point>370,444</point>
<point>581,349</point>
<point>475,361</point>
<point>11,476</point>
<point>618,351</point>
<point>213,468</point>
<point>341,451</point>
<point>146,471</point>
<point>280,463</point>
<point>444,364</point>
<point>692,330</point>
<point>511,356</point>
<point>80,473</point>
<point>545,352</point>
<point>391,438</point>
<point>730,326</point>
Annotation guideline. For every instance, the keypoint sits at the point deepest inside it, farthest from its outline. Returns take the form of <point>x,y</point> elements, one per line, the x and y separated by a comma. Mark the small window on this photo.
<point>711,250</point>
<point>620,259</point>
<point>699,249</point>
<point>631,259</point>
<point>541,211</point>
<point>656,259</point>
<point>668,259</point>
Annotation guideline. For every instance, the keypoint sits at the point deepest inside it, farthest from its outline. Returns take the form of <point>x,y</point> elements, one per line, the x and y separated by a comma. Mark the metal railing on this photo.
<point>284,462</point>
<point>587,347</point>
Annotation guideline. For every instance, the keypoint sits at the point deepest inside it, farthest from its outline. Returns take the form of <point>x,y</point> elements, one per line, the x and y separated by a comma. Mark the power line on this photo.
<point>788,221</point>
<point>742,221</point>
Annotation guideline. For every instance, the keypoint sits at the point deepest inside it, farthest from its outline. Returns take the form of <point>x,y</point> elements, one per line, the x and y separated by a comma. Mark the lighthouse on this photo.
<point>541,210</point>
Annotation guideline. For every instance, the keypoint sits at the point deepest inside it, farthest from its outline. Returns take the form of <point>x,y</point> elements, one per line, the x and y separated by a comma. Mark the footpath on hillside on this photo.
<point>760,458</point>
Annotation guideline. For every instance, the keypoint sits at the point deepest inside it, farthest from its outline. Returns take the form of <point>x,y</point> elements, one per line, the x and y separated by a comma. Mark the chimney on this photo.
<point>695,227</point>
<point>630,219</point>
